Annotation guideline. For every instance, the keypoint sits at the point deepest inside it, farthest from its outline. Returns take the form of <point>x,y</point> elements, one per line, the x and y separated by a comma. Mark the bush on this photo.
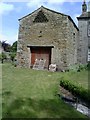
<point>78,91</point>
<point>82,67</point>
<point>12,55</point>
<point>74,67</point>
<point>88,65</point>
<point>3,57</point>
<point>78,67</point>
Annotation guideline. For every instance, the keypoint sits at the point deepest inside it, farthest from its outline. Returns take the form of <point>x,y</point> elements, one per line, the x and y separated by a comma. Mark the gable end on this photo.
<point>40,17</point>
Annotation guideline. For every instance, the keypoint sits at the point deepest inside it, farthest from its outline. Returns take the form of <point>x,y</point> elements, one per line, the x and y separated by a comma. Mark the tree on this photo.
<point>2,57</point>
<point>14,47</point>
<point>6,47</point>
<point>12,55</point>
<point>13,51</point>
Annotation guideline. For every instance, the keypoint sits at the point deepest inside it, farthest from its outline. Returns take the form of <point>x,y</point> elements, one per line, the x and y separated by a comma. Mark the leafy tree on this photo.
<point>6,47</point>
<point>12,55</point>
<point>13,51</point>
<point>14,47</point>
<point>3,57</point>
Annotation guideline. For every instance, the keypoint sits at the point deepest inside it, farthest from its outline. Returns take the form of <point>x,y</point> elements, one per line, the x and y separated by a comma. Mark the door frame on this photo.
<point>47,48</point>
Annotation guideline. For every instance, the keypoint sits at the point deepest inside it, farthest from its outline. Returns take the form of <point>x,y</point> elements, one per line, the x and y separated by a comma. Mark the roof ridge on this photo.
<point>44,8</point>
<point>54,11</point>
<point>51,11</point>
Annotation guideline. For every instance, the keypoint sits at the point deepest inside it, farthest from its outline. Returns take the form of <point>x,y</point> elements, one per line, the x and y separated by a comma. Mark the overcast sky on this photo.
<point>11,11</point>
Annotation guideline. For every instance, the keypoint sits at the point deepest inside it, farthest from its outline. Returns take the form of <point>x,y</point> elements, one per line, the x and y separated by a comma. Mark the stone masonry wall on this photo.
<point>51,33</point>
<point>83,42</point>
<point>72,42</point>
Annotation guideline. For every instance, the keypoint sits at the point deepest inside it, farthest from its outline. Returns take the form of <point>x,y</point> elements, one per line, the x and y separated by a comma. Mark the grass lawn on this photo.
<point>80,78</point>
<point>32,93</point>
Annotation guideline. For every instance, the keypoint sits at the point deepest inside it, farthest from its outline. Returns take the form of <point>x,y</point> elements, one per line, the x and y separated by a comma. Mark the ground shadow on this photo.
<point>15,107</point>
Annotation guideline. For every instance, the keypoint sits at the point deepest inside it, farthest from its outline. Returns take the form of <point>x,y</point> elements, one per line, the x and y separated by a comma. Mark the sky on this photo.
<point>12,10</point>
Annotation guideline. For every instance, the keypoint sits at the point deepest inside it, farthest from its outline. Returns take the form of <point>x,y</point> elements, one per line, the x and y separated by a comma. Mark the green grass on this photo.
<point>32,93</point>
<point>80,78</point>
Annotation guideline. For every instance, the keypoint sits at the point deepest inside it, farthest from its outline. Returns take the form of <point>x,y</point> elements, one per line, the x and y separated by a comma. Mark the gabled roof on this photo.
<point>42,7</point>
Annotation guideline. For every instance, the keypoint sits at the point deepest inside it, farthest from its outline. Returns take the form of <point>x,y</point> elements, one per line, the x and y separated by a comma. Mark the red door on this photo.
<point>41,53</point>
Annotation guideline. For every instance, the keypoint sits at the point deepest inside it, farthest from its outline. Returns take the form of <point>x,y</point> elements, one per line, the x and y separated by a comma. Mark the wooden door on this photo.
<point>41,53</point>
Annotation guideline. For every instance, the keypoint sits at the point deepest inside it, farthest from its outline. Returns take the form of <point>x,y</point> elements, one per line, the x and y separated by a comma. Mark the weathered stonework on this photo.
<point>84,34</point>
<point>58,31</point>
<point>83,42</point>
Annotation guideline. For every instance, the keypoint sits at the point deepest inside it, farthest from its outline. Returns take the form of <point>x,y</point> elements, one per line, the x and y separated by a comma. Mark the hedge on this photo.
<point>77,91</point>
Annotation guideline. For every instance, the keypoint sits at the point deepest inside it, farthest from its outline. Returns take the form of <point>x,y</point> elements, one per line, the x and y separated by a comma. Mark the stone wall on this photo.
<point>56,32</point>
<point>83,41</point>
<point>88,33</point>
<point>72,42</point>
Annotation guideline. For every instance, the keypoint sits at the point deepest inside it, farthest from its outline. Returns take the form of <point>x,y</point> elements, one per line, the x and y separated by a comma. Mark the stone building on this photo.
<point>47,35</point>
<point>84,34</point>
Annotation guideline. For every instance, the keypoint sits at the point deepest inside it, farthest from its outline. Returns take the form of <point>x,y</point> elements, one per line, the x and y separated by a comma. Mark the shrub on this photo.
<point>88,65</point>
<point>78,91</point>
<point>3,57</point>
<point>74,67</point>
<point>82,67</point>
<point>78,67</point>
<point>12,55</point>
